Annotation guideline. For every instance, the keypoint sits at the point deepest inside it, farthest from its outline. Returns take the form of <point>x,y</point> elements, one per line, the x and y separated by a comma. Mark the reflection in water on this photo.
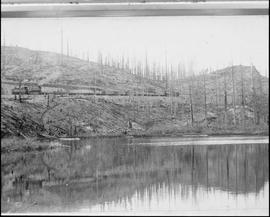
<point>109,175</point>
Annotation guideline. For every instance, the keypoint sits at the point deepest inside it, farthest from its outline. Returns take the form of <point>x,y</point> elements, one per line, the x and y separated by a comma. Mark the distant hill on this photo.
<point>238,79</point>
<point>46,68</point>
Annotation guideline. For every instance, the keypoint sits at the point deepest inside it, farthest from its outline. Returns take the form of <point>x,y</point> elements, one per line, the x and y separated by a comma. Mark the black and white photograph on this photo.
<point>147,114</point>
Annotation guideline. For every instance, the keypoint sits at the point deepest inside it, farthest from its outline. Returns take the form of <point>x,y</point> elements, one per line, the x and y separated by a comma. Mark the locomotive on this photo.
<point>28,90</point>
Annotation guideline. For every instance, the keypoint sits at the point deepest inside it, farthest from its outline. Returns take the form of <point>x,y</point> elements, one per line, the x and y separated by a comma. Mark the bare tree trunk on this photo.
<point>62,46</point>
<point>20,94</point>
<point>95,83</point>
<point>48,101</point>
<point>179,88</point>
<point>205,103</point>
<point>253,96</point>
<point>171,92</point>
<point>261,95</point>
<point>242,100</point>
<point>233,84</point>
<point>217,93</point>
<point>225,101</point>
<point>166,75</point>
<point>134,105</point>
<point>146,67</point>
<point>191,105</point>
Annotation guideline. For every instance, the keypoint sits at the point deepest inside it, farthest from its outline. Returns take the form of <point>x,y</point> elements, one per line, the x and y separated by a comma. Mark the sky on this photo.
<point>200,41</point>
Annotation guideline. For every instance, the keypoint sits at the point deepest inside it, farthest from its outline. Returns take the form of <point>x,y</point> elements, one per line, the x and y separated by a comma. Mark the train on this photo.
<point>38,90</point>
<point>27,90</point>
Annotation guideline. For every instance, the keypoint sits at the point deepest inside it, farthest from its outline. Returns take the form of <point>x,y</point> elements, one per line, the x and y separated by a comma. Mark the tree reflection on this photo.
<point>100,170</point>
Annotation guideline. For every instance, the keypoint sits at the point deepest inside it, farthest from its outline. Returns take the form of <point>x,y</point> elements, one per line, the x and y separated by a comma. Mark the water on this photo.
<point>140,176</point>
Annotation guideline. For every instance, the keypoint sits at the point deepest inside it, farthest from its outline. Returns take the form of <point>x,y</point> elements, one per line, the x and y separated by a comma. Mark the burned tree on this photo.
<point>242,100</point>
<point>233,96</point>
<point>225,100</point>
<point>205,99</point>
<point>191,105</point>
<point>217,92</point>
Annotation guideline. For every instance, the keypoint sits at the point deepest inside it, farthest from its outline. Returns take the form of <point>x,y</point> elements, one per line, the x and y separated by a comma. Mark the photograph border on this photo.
<point>135,9</point>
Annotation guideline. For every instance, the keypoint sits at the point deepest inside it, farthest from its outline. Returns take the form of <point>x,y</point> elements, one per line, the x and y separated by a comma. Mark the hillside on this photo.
<point>48,68</point>
<point>238,80</point>
<point>246,109</point>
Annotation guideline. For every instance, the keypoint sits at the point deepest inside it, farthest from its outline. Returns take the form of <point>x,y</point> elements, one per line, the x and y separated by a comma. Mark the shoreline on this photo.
<point>175,134</point>
<point>112,119</point>
<point>133,134</point>
<point>17,144</point>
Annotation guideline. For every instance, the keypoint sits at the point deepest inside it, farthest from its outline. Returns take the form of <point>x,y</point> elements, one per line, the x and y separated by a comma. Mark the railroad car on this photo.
<point>21,90</point>
<point>34,90</point>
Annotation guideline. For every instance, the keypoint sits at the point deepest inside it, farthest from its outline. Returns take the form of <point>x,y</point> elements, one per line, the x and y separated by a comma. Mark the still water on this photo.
<point>135,176</point>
